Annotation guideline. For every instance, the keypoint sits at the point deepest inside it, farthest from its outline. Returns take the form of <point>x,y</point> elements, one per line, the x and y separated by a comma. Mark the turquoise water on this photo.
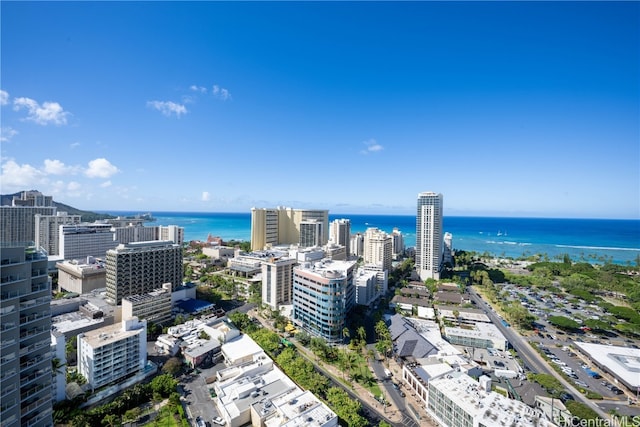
<point>587,239</point>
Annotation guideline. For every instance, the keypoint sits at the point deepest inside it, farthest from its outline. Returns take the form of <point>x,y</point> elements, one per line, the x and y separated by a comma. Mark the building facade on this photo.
<point>81,278</point>
<point>171,233</point>
<point>25,334</point>
<point>323,295</point>
<point>141,267</point>
<point>47,230</point>
<point>311,233</point>
<point>378,248</point>
<point>398,243</point>
<point>281,225</point>
<point>79,241</point>
<point>429,235</point>
<point>154,306</point>
<point>447,249</point>
<point>277,281</point>
<point>109,354</point>
<point>340,233</point>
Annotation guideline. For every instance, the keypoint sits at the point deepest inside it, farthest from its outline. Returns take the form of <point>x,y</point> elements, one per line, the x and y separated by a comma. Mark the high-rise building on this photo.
<point>17,223</point>
<point>79,241</point>
<point>135,233</point>
<point>47,230</point>
<point>340,233</point>
<point>447,254</point>
<point>398,243</point>
<point>323,295</point>
<point>311,233</point>
<point>25,334</point>
<point>281,226</point>
<point>356,245</point>
<point>429,235</point>
<point>141,267</point>
<point>277,281</point>
<point>172,233</point>
<point>378,248</point>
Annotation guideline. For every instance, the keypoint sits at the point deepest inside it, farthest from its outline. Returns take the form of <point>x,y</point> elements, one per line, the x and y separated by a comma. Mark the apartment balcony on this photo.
<point>33,332</point>
<point>38,417</point>
<point>25,320</point>
<point>31,362</point>
<point>28,379</point>
<point>35,346</point>
<point>33,391</point>
<point>26,409</point>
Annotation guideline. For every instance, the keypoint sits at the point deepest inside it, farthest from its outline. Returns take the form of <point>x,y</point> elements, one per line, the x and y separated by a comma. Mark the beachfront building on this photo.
<point>25,332</point>
<point>140,267</point>
<point>171,233</point>
<point>135,233</point>
<point>281,225</point>
<point>356,245</point>
<point>340,233</point>
<point>458,400</point>
<point>81,277</point>
<point>311,233</point>
<point>429,235</point>
<point>47,230</point>
<point>79,241</point>
<point>112,353</point>
<point>398,243</point>
<point>154,306</point>
<point>447,249</point>
<point>323,295</point>
<point>378,248</point>
<point>277,281</point>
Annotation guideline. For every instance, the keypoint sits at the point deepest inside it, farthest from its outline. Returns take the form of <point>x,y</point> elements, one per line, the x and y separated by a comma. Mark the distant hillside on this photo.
<point>87,216</point>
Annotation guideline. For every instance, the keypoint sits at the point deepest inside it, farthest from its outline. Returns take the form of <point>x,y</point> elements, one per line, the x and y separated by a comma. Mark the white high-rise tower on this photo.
<point>429,235</point>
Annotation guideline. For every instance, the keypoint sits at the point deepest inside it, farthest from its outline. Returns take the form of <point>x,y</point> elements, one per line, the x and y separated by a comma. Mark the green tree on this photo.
<point>173,366</point>
<point>163,385</point>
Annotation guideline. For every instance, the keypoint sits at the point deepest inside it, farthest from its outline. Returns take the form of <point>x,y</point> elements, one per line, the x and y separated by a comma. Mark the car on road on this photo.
<point>582,384</point>
<point>200,422</point>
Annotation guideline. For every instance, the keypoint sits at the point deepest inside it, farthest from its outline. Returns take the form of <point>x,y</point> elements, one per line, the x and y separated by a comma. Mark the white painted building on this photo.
<point>378,248</point>
<point>340,233</point>
<point>109,354</point>
<point>47,230</point>
<point>79,241</point>
<point>459,400</point>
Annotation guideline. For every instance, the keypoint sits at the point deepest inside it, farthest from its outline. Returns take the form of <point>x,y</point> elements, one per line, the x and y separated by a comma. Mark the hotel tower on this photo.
<point>429,235</point>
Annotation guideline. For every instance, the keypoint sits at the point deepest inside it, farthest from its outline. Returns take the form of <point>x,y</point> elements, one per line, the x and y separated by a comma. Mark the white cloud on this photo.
<point>56,167</point>
<point>4,97</point>
<point>17,177</point>
<point>74,145</point>
<point>221,93</point>
<point>7,133</point>
<point>100,168</point>
<point>206,196</point>
<point>200,89</point>
<point>168,108</point>
<point>106,184</point>
<point>372,146</point>
<point>48,112</point>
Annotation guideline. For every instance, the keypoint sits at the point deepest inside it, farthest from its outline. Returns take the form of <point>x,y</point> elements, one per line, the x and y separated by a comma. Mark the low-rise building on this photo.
<point>81,277</point>
<point>484,335</point>
<point>252,390</point>
<point>459,400</point>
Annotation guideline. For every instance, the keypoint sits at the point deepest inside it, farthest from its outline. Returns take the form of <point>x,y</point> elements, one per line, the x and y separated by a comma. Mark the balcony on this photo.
<point>34,331</point>
<point>25,380</point>
<point>33,390</point>
<point>31,406</point>
<point>32,318</point>
<point>34,346</point>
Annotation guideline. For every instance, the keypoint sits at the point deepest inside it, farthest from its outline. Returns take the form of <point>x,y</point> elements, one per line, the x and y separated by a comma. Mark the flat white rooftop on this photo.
<point>624,362</point>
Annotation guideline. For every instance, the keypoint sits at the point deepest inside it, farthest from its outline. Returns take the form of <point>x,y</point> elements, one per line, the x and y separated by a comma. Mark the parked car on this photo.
<point>219,421</point>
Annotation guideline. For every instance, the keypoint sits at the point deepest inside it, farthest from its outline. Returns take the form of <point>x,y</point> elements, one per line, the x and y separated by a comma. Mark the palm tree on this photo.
<point>362,333</point>
<point>345,333</point>
<point>456,314</point>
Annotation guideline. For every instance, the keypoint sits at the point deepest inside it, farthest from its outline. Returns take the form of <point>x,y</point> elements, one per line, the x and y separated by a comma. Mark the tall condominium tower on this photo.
<point>277,281</point>
<point>172,233</point>
<point>17,221</point>
<point>25,332</point>
<point>277,226</point>
<point>378,248</point>
<point>398,243</point>
<point>311,233</point>
<point>429,235</point>
<point>340,233</point>
<point>47,230</point>
<point>141,267</point>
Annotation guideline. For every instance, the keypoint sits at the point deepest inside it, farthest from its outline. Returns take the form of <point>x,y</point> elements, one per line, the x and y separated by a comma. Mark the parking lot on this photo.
<point>195,395</point>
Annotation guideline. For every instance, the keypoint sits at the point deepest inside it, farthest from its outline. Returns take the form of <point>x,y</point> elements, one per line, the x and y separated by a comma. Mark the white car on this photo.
<point>219,421</point>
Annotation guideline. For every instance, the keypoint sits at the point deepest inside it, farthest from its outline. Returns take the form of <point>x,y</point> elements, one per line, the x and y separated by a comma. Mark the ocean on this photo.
<point>591,240</point>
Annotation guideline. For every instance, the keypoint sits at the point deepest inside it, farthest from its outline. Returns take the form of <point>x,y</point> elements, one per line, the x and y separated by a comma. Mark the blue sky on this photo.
<point>508,109</point>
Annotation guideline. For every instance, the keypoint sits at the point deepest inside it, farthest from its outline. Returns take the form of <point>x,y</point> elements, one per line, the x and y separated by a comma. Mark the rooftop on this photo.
<point>624,362</point>
<point>111,334</point>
